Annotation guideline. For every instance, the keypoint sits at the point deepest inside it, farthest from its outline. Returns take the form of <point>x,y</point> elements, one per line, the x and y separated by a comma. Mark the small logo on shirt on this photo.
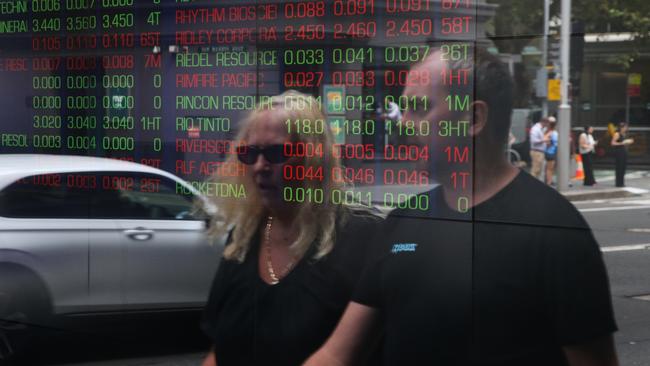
<point>403,247</point>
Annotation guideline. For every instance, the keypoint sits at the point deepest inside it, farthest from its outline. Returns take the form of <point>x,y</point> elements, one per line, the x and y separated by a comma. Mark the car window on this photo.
<point>47,196</point>
<point>127,195</point>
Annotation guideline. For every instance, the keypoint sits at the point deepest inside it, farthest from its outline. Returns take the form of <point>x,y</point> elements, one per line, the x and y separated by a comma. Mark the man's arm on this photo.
<point>599,352</point>
<point>353,339</point>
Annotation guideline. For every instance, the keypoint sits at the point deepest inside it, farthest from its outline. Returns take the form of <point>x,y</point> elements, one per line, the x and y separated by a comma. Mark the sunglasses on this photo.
<point>274,154</point>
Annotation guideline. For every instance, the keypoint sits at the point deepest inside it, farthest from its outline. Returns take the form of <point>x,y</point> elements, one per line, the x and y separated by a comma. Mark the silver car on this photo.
<point>83,235</point>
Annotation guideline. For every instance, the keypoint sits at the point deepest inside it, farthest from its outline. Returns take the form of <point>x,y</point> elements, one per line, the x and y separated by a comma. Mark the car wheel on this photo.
<point>24,307</point>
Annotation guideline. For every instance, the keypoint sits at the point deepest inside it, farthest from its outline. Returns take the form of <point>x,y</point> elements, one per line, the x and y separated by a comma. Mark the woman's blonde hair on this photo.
<point>316,222</point>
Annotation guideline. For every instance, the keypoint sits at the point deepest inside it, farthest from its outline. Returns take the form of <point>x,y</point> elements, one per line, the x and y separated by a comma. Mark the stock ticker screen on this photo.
<point>165,83</point>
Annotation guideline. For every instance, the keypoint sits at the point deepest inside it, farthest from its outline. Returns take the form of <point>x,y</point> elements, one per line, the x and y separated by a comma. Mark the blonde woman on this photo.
<point>294,253</point>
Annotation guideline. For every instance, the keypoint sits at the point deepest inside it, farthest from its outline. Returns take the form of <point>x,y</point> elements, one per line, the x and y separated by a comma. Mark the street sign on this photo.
<point>554,90</point>
<point>634,85</point>
<point>554,52</point>
<point>334,96</point>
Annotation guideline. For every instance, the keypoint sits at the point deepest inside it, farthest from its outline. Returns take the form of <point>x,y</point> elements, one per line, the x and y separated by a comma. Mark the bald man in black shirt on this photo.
<point>499,270</point>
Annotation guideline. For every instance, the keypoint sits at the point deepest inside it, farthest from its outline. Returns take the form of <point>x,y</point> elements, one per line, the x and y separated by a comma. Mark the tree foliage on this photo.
<point>516,21</point>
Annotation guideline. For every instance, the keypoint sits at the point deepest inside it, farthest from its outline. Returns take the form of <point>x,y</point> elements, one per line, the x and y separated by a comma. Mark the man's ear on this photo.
<point>481,111</point>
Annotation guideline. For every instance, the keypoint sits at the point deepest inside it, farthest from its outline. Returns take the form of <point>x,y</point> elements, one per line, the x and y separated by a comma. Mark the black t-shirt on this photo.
<point>253,323</point>
<point>507,283</point>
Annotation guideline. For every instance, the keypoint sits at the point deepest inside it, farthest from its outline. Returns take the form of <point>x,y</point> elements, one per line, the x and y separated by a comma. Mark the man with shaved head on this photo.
<point>498,269</point>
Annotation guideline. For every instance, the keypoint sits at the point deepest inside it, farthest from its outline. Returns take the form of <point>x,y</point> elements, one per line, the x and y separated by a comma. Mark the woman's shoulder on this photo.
<point>225,239</point>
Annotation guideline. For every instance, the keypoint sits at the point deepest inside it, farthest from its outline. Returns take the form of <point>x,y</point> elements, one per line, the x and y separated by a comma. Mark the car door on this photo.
<point>106,256</point>
<point>168,260</point>
<point>45,227</point>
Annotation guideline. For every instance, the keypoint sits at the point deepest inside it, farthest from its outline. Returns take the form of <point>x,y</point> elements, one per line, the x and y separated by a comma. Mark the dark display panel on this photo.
<point>165,84</point>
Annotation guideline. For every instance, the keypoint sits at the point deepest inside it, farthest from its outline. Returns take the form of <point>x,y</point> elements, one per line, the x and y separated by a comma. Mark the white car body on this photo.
<point>113,262</point>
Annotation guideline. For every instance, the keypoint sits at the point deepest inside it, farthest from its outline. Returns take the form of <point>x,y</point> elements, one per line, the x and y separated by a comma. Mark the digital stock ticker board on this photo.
<point>165,84</point>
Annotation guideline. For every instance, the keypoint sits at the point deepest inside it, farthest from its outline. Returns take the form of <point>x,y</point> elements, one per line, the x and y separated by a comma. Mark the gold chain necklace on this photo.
<point>269,263</point>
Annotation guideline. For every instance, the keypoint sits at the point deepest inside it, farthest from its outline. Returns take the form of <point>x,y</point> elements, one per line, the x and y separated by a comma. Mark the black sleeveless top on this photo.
<point>253,323</point>
<point>621,138</point>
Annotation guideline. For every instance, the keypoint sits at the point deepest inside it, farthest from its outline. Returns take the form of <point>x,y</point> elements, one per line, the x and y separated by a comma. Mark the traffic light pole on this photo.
<point>547,6</point>
<point>564,120</point>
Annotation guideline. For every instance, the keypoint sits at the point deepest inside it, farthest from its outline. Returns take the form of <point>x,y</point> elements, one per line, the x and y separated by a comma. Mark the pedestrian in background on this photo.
<point>537,147</point>
<point>550,153</point>
<point>620,142</point>
<point>586,147</point>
